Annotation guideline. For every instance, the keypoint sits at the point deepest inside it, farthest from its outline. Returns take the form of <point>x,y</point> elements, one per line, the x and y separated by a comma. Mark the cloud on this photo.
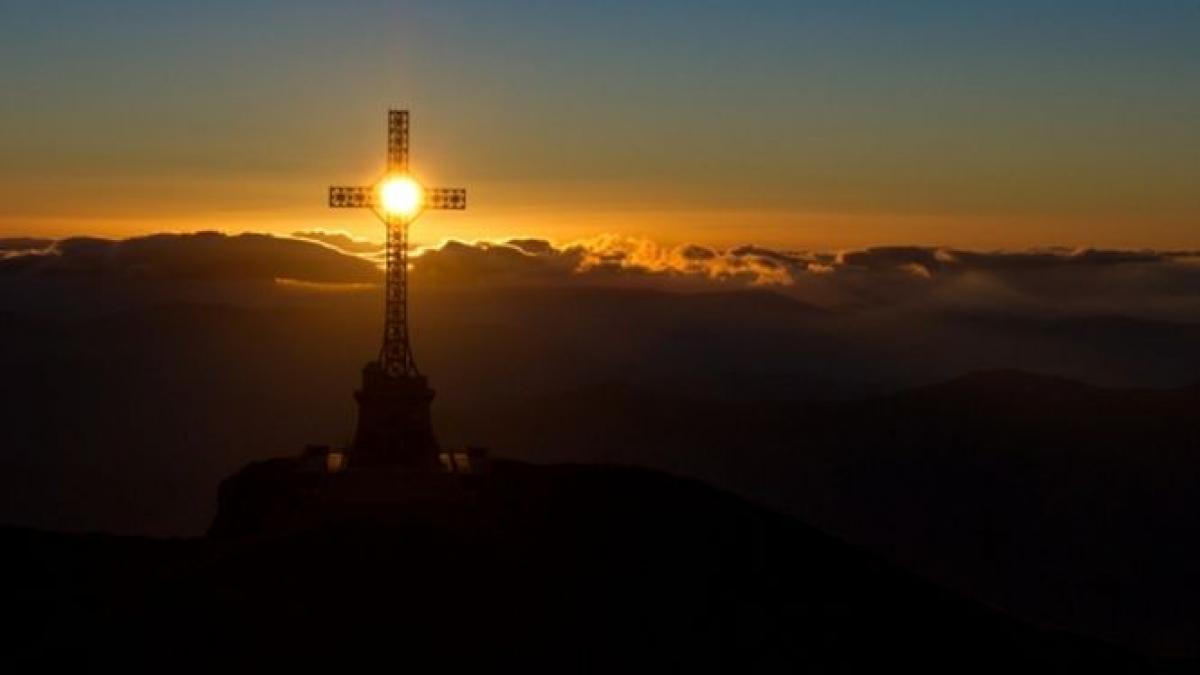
<point>204,255</point>
<point>942,260</point>
<point>891,257</point>
<point>340,241</point>
<point>1144,283</point>
<point>532,246</point>
<point>608,260</point>
<point>697,253</point>
<point>515,263</point>
<point>24,244</point>
<point>19,247</point>
<point>1152,284</point>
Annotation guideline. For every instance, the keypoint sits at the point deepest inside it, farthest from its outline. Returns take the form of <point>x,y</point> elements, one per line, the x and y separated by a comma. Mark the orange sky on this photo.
<point>114,207</point>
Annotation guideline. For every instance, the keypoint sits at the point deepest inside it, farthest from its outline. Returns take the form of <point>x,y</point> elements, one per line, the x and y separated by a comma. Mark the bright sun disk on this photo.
<point>401,196</point>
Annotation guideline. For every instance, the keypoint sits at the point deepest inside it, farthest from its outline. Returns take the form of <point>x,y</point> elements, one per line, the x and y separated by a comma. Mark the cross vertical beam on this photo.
<point>395,357</point>
<point>395,427</point>
<point>397,141</point>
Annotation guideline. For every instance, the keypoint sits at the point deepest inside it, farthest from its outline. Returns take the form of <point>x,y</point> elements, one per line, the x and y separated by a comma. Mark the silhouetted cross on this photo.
<point>398,199</point>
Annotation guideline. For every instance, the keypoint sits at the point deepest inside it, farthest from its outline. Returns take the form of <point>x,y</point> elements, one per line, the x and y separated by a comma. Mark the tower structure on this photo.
<point>394,422</point>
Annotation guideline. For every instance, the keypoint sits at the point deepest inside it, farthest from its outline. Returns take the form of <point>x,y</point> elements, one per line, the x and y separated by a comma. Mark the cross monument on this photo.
<point>394,423</point>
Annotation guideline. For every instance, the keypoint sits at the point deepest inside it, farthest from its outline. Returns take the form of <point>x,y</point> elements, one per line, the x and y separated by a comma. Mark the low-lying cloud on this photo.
<point>341,241</point>
<point>1163,285</point>
<point>203,255</point>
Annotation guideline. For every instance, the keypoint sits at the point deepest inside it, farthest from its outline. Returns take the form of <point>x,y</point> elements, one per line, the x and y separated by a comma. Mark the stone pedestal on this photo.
<point>394,423</point>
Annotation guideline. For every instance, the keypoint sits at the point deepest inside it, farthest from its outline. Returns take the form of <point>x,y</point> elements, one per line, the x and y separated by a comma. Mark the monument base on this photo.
<point>395,427</point>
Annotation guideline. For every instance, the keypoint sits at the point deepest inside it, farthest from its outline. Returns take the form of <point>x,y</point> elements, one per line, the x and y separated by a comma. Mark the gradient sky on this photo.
<point>806,124</point>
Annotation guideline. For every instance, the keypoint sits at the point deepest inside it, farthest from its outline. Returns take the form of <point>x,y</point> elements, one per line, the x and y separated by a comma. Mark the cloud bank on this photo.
<point>203,255</point>
<point>1162,285</point>
<point>1156,283</point>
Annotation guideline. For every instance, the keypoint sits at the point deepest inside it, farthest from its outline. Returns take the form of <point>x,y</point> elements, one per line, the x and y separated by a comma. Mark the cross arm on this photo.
<point>446,198</point>
<point>360,197</point>
<point>352,197</point>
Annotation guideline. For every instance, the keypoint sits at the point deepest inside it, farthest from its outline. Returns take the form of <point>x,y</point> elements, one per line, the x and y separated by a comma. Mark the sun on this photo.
<point>401,196</point>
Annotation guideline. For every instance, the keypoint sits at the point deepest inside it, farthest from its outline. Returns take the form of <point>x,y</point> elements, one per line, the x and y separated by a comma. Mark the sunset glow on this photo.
<point>974,125</point>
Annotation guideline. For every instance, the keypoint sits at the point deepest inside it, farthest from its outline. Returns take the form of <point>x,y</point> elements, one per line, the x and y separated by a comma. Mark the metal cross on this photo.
<point>398,200</point>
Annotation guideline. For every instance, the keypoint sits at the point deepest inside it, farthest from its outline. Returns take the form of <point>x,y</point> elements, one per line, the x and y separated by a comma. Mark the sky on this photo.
<point>810,125</point>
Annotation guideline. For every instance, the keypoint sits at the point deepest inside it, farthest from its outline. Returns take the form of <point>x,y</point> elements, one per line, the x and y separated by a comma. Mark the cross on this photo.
<point>398,199</point>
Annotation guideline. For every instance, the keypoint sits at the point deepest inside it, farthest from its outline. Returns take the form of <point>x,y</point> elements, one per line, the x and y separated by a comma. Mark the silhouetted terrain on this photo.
<point>1066,503</point>
<point>136,378</point>
<point>549,569</point>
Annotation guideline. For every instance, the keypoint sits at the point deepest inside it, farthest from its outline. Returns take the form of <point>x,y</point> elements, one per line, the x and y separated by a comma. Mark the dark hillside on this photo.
<point>548,569</point>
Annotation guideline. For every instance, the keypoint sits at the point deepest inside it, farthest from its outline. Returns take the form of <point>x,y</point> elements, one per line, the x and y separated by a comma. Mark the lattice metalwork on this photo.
<point>353,197</point>
<point>446,198</point>
<point>395,357</point>
<point>397,141</point>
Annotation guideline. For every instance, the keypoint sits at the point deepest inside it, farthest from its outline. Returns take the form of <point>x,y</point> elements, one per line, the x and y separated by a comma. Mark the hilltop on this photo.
<point>568,568</point>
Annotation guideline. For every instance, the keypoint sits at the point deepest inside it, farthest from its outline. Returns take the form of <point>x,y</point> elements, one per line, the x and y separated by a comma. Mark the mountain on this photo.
<point>1064,503</point>
<point>558,569</point>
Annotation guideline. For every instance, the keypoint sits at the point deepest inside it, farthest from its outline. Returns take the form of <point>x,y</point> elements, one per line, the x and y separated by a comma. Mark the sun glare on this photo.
<point>401,196</point>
